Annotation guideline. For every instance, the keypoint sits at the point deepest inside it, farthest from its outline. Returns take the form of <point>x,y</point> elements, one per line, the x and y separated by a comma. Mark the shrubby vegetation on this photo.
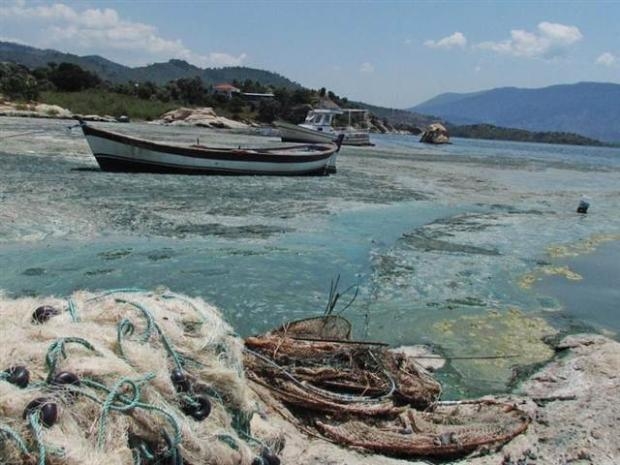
<point>17,83</point>
<point>488,131</point>
<point>81,91</point>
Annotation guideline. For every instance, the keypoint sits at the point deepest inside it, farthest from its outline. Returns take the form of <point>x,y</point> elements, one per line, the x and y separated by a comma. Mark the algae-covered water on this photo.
<point>460,247</point>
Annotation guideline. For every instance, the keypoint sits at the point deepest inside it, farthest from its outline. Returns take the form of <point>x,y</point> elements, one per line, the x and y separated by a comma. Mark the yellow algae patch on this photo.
<point>584,246</point>
<point>502,340</point>
<point>527,280</point>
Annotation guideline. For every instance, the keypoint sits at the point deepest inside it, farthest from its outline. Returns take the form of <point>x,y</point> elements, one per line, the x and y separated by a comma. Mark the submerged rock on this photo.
<point>435,133</point>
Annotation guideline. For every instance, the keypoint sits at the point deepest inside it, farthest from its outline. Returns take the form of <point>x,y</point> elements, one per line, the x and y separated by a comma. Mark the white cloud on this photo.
<point>104,31</point>
<point>12,39</point>
<point>455,40</point>
<point>607,59</point>
<point>367,68</point>
<point>550,40</point>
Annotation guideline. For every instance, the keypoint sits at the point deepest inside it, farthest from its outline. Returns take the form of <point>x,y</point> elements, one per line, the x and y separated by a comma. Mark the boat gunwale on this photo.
<point>277,155</point>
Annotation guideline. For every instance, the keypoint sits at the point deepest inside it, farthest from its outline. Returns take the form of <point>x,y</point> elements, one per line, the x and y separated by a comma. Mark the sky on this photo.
<point>389,53</point>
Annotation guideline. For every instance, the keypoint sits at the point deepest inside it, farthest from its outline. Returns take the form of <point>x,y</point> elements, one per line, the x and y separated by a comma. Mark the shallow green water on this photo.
<point>436,238</point>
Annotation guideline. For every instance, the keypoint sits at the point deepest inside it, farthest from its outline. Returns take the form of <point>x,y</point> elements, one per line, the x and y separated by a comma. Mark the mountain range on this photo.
<point>159,73</point>
<point>588,108</point>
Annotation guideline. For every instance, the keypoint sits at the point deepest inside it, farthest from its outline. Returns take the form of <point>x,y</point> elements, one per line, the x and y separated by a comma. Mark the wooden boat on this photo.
<point>119,152</point>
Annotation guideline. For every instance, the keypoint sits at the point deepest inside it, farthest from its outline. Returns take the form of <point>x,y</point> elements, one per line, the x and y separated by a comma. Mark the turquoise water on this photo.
<point>435,238</point>
<point>593,301</point>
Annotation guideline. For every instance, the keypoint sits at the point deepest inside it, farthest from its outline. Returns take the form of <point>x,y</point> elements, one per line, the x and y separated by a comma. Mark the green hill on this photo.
<point>159,73</point>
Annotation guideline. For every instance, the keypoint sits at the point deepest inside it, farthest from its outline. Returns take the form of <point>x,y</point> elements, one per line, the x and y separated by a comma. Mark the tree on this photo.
<point>70,77</point>
<point>16,82</point>
<point>268,110</point>
<point>191,90</point>
<point>146,90</point>
<point>235,105</point>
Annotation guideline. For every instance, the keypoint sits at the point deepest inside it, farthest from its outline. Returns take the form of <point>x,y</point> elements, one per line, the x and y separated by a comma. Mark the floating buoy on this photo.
<point>584,204</point>
<point>199,408</point>
<point>18,375</point>
<point>47,408</point>
<point>44,313</point>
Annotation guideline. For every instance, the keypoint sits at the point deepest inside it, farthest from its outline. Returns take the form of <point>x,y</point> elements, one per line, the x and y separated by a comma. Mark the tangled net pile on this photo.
<point>122,377</point>
<point>361,394</point>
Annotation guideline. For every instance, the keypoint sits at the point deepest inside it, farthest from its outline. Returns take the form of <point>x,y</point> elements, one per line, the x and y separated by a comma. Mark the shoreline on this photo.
<point>572,401</point>
<point>9,109</point>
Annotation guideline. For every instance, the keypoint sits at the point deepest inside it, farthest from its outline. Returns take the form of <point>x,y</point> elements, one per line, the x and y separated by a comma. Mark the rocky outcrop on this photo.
<point>435,133</point>
<point>574,403</point>
<point>33,110</point>
<point>203,117</point>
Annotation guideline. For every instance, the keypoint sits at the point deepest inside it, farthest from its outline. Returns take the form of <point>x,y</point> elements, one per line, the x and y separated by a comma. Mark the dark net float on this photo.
<point>48,410</point>
<point>44,313</point>
<point>18,375</point>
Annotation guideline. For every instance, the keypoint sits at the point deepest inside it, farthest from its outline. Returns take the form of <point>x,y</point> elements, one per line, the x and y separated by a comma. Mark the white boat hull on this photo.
<point>296,133</point>
<point>116,152</point>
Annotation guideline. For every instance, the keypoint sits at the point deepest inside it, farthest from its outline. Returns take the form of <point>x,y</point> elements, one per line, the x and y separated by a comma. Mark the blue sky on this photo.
<point>387,53</point>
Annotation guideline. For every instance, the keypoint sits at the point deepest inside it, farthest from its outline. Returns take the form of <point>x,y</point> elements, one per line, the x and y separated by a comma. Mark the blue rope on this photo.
<point>122,405</point>
<point>146,313</point>
<point>124,328</point>
<point>7,431</point>
<point>57,350</point>
<point>176,357</point>
<point>72,309</point>
<point>117,401</point>
<point>203,317</point>
<point>37,429</point>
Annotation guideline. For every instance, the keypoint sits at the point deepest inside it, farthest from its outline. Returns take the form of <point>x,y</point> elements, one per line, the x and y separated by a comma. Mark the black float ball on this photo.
<point>47,408</point>
<point>44,313</point>
<point>269,457</point>
<point>180,381</point>
<point>66,378</point>
<point>18,375</point>
<point>198,409</point>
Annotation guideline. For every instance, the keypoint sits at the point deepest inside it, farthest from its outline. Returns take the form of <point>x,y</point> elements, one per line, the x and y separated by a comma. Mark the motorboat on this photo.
<point>318,127</point>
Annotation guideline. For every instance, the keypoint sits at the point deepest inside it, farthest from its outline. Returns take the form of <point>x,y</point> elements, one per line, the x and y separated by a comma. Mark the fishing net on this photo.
<point>328,327</point>
<point>445,431</point>
<point>121,378</point>
<point>364,395</point>
<point>313,364</point>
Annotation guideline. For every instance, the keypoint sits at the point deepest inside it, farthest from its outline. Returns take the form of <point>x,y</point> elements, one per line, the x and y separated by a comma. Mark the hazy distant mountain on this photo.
<point>587,108</point>
<point>159,73</point>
